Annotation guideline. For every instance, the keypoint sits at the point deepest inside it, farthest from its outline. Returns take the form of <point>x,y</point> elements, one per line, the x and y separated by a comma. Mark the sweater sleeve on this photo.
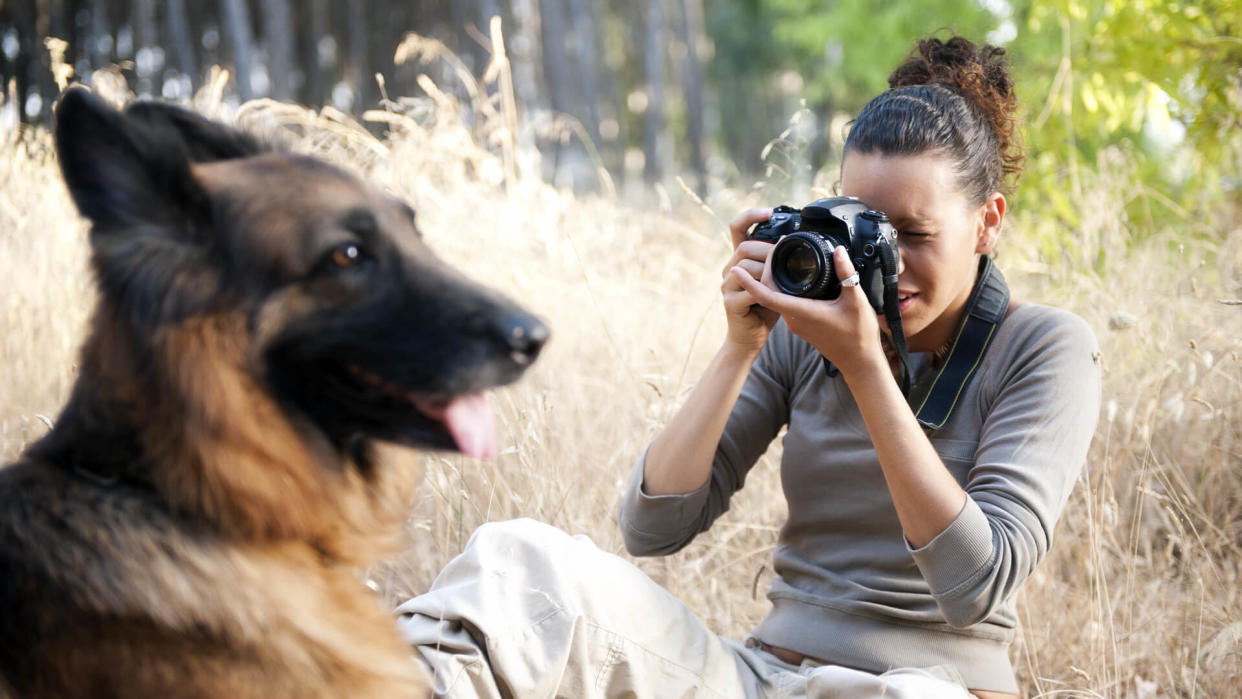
<point>1031,449</point>
<point>657,525</point>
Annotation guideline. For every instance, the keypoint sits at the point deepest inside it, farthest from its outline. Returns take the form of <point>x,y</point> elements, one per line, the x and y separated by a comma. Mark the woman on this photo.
<point>904,543</point>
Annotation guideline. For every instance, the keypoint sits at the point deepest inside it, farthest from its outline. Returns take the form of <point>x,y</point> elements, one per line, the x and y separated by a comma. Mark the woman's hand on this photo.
<point>845,330</point>
<point>749,323</point>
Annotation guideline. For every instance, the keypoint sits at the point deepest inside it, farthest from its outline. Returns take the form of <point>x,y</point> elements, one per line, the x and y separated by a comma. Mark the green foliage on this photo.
<point>846,49</point>
<point>1151,87</point>
<point>1158,82</point>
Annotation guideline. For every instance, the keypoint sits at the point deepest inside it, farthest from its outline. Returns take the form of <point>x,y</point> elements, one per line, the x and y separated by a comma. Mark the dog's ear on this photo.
<point>120,174</point>
<point>130,174</point>
<point>204,141</point>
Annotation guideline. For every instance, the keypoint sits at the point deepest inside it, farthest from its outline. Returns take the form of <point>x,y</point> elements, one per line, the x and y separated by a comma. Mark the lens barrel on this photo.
<point>802,266</point>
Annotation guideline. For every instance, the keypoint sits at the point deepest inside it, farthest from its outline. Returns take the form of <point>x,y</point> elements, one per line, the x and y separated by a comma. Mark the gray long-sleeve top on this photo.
<point>849,588</point>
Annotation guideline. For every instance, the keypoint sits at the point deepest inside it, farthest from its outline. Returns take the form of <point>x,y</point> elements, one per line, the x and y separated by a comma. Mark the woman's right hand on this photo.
<point>749,322</point>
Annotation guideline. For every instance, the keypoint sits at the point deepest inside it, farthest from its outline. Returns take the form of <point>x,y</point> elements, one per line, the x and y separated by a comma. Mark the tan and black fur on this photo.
<point>196,522</point>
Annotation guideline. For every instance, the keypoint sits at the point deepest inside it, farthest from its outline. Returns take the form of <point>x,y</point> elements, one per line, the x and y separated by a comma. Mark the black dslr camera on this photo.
<point>805,238</point>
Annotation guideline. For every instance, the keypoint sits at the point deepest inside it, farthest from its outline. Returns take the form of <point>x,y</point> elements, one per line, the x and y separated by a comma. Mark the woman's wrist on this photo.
<point>735,351</point>
<point>865,368</point>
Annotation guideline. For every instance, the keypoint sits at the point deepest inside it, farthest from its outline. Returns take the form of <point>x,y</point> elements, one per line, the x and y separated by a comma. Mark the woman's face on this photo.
<point>940,234</point>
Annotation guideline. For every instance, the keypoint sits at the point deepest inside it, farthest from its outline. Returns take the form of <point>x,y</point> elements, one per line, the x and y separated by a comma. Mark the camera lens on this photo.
<point>802,266</point>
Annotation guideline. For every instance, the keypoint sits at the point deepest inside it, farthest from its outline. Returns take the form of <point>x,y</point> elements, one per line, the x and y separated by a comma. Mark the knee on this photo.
<point>521,529</point>
<point>522,536</point>
<point>524,543</point>
<point>537,554</point>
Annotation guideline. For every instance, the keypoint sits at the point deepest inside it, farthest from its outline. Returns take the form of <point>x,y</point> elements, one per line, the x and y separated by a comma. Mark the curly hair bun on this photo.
<point>978,73</point>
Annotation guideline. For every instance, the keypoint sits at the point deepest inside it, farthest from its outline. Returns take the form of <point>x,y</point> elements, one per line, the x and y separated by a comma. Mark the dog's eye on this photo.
<point>345,256</point>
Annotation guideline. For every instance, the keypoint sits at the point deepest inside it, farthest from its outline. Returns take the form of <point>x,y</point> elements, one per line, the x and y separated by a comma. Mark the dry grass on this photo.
<point>1140,597</point>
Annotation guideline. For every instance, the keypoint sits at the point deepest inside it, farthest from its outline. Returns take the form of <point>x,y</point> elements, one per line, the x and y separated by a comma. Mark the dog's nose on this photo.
<point>525,335</point>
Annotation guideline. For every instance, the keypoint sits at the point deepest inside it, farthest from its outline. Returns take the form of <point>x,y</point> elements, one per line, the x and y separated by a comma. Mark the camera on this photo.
<point>805,239</point>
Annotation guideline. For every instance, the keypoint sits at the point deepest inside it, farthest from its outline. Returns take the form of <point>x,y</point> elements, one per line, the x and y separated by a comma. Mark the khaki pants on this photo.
<point>529,611</point>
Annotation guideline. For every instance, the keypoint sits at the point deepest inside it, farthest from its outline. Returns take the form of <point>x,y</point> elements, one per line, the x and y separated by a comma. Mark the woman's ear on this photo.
<point>992,219</point>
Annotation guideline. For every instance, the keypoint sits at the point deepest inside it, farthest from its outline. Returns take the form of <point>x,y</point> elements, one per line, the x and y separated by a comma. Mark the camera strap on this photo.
<point>983,315</point>
<point>890,266</point>
<point>889,270</point>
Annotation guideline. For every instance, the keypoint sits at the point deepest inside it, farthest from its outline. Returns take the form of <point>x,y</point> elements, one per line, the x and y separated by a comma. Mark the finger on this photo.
<point>755,250</point>
<point>766,277</point>
<point>764,296</point>
<point>738,302</point>
<point>753,267</point>
<point>844,267</point>
<point>739,227</point>
<point>842,263</point>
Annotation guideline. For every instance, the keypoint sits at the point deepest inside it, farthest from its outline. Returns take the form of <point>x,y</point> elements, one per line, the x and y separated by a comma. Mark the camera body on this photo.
<point>805,239</point>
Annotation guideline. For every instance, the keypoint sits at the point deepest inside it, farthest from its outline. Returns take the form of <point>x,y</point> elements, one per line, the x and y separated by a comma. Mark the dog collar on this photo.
<point>984,313</point>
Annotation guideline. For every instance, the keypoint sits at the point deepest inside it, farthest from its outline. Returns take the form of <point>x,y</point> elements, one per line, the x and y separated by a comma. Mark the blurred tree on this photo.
<point>1152,78</point>
<point>236,21</point>
<point>317,43</point>
<point>689,30</point>
<point>358,69</point>
<point>553,38</point>
<point>182,39</point>
<point>585,38</point>
<point>844,50</point>
<point>149,57</point>
<point>1160,80</point>
<point>278,35</point>
<point>654,89</point>
<point>742,71</point>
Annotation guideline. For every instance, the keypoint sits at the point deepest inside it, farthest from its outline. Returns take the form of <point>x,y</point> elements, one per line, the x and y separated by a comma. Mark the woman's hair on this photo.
<point>953,98</point>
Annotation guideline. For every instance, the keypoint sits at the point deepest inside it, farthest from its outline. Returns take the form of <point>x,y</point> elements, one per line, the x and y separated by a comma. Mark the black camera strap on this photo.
<point>889,269</point>
<point>890,266</point>
<point>984,312</point>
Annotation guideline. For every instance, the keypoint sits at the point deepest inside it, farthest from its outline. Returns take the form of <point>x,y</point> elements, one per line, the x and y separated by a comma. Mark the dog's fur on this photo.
<point>196,523</point>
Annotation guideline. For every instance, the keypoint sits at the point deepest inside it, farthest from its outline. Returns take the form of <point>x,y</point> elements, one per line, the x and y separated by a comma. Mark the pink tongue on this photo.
<point>469,420</point>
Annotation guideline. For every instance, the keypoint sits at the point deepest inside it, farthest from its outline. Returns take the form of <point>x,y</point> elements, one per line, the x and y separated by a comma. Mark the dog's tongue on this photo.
<point>469,420</point>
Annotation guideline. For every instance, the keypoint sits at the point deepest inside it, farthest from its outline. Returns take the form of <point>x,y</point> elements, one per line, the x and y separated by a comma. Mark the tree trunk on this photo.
<point>278,33</point>
<point>236,27</point>
<point>65,25</point>
<point>7,66</point>
<point>97,52</point>
<point>690,29</point>
<point>524,54</point>
<point>586,47</point>
<point>27,69</point>
<point>485,11</point>
<point>317,30</point>
<point>552,30</point>
<point>653,124</point>
<point>558,76</point>
<point>148,58</point>
<point>182,40</point>
<point>359,69</point>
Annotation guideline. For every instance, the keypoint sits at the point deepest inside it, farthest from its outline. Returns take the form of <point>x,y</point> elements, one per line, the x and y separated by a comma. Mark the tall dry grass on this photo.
<point>1140,596</point>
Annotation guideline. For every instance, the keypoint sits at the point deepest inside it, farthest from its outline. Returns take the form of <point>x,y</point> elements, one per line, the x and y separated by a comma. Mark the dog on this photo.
<point>196,523</point>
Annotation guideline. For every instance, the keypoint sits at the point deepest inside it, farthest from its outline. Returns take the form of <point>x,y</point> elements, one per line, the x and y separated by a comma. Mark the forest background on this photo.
<point>584,155</point>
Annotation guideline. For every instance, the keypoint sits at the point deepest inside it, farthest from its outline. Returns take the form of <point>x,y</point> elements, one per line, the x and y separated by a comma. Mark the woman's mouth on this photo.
<point>904,300</point>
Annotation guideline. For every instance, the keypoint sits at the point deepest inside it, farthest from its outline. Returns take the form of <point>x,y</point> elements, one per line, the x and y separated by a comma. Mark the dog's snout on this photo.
<point>525,336</point>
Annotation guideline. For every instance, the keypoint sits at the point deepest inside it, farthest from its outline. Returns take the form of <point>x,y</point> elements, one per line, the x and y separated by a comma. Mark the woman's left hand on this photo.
<point>845,330</point>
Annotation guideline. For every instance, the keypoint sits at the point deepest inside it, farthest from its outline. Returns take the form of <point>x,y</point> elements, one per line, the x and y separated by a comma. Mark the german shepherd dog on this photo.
<point>197,521</point>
